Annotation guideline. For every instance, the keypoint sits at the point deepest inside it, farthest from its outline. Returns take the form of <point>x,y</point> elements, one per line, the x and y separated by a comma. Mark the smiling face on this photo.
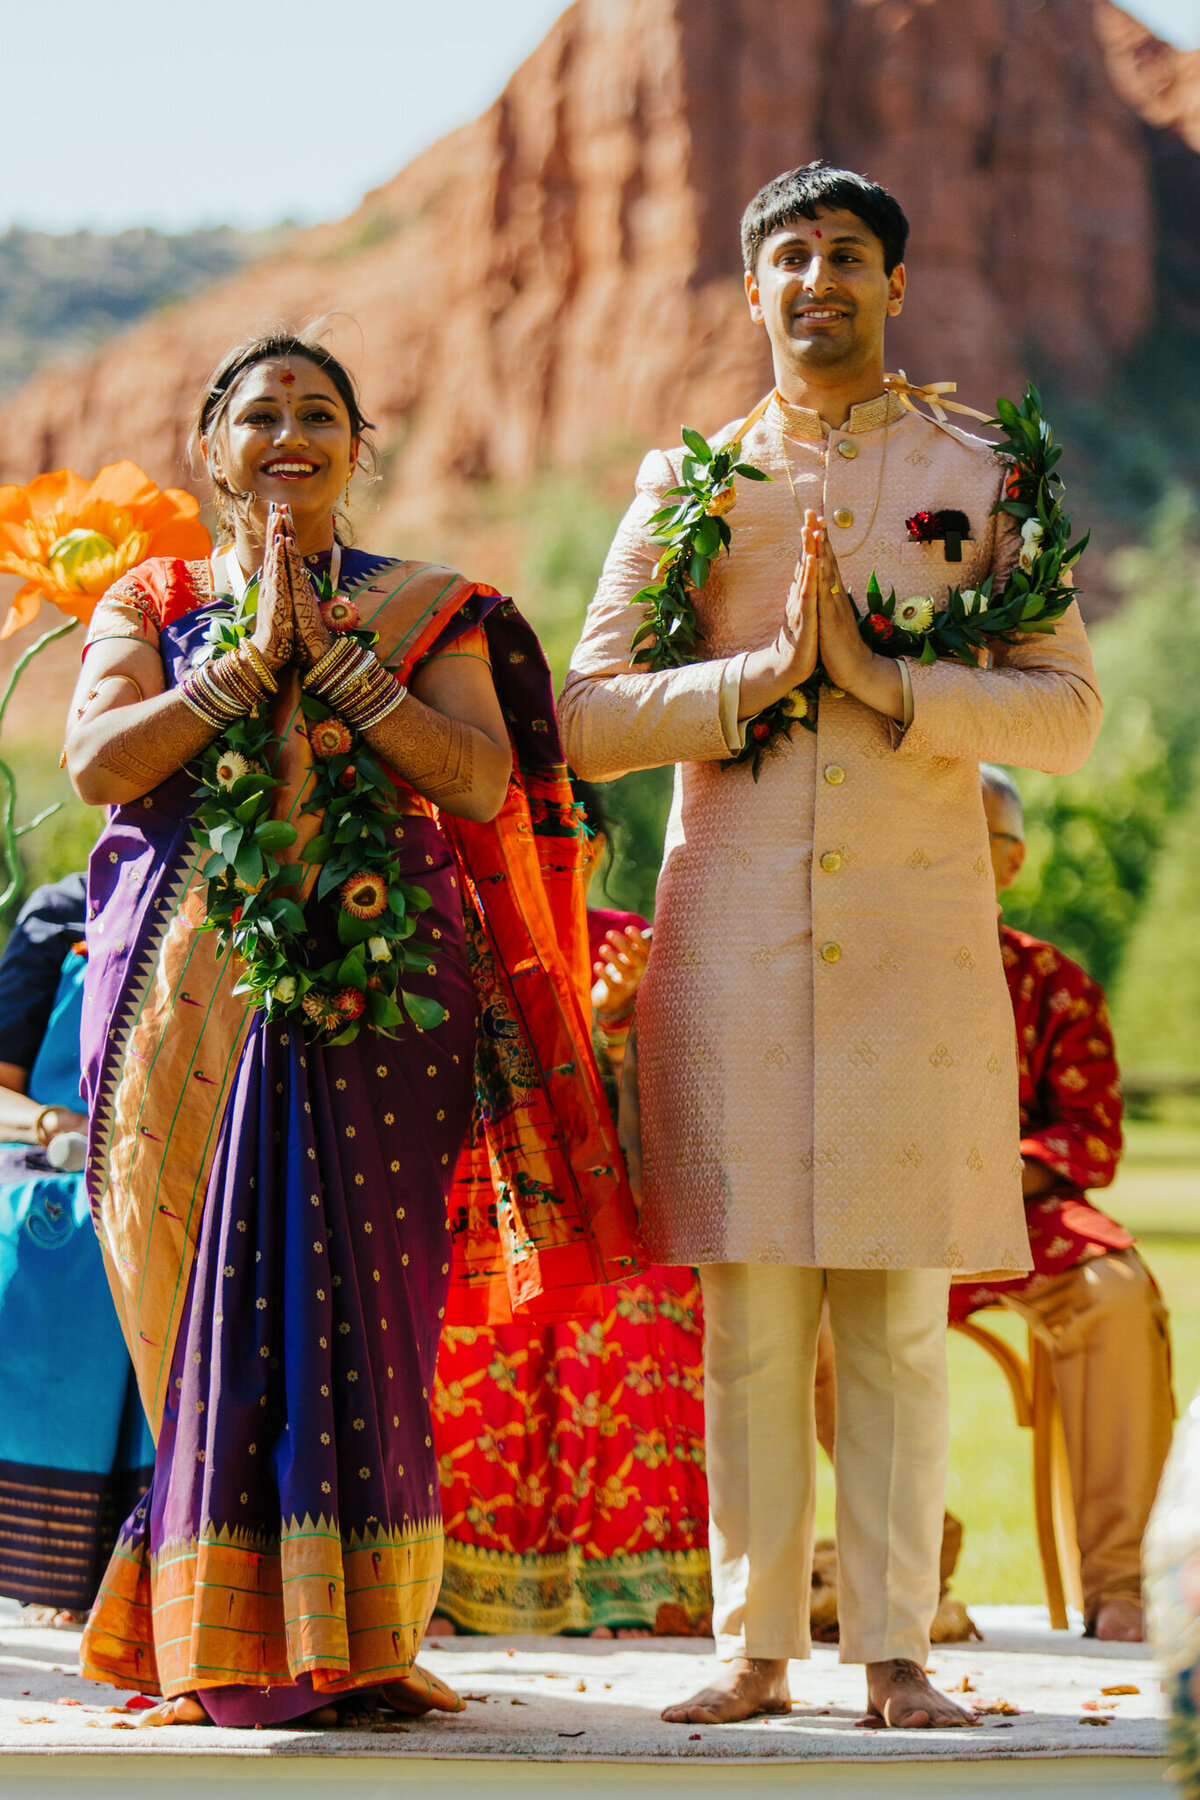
<point>821,291</point>
<point>286,438</point>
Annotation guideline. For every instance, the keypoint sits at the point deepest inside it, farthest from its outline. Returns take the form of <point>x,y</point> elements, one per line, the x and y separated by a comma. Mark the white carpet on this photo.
<point>567,1699</point>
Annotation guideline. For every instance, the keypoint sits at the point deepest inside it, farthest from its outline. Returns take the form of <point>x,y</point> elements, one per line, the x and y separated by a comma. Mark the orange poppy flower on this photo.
<point>71,538</point>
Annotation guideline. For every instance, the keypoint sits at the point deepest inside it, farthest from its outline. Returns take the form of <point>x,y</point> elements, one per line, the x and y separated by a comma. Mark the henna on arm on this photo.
<point>118,747</point>
<point>146,749</point>
<point>452,745</point>
<point>440,753</point>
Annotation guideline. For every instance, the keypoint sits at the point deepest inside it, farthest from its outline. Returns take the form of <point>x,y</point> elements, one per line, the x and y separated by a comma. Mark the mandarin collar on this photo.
<point>805,423</point>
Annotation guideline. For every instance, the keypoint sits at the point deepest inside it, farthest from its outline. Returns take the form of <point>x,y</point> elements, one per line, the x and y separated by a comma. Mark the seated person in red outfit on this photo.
<point>1090,1298</point>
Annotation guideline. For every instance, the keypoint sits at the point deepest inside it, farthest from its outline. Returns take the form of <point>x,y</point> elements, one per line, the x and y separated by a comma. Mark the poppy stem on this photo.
<point>9,832</point>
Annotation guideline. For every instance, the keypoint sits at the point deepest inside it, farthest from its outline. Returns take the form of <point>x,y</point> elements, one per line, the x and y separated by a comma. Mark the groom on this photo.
<point>828,1078</point>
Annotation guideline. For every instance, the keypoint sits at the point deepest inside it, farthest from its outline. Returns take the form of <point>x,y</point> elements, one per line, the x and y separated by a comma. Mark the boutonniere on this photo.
<point>952,525</point>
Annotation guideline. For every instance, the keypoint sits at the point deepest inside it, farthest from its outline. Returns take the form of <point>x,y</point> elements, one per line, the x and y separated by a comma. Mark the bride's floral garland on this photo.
<point>1035,595</point>
<point>251,903</point>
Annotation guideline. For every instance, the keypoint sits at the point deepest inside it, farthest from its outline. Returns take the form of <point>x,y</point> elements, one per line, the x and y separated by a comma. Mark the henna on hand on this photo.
<point>313,636</point>
<point>274,626</point>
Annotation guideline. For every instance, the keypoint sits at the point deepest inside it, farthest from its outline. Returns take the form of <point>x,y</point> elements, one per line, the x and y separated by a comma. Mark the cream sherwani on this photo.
<point>825,1045</point>
<point>827,1069</point>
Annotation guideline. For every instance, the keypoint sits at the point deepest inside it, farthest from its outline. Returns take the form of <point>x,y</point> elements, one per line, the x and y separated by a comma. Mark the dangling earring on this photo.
<point>349,479</point>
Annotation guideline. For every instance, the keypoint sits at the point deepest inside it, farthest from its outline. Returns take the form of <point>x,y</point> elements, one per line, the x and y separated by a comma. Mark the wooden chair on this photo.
<point>1035,1400</point>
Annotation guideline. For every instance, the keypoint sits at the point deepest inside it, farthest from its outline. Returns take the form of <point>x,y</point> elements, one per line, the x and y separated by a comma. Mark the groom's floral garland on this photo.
<point>1034,597</point>
<point>251,904</point>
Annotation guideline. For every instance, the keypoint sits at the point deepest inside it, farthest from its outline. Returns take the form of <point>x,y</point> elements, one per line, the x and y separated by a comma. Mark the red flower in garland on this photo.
<point>350,1003</point>
<point>881,626</point>
<point>760,730</point>
<point>329,737</point>
<point>364,895</point>
<point>339,614</point>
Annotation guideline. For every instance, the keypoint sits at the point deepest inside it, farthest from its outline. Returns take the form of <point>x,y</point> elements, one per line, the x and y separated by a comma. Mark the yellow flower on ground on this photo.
<point>915,613</point>
<point>71,539</point>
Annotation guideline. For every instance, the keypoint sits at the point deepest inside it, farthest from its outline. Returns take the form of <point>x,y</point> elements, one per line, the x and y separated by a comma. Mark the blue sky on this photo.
<point>126,112</point>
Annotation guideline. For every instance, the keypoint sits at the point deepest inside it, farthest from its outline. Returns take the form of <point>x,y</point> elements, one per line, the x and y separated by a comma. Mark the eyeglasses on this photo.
<point>1008,836</point>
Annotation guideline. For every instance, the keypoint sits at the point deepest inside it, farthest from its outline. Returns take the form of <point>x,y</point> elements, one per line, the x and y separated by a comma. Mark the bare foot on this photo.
<point>441,1626</point>
<point>744,1687</point>
<point>184,1709</point>
<point>634,1631</point>
<point>899,1693</point>
<point>420,1692</point>
<point>1119,1622</point>
<point>57,1616</point>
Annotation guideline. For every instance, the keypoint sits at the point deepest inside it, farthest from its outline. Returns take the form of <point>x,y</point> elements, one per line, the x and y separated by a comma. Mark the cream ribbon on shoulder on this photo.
<point>933,393</point>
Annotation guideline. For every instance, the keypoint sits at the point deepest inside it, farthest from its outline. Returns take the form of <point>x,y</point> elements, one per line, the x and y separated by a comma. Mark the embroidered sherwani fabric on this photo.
<point>825,956</point>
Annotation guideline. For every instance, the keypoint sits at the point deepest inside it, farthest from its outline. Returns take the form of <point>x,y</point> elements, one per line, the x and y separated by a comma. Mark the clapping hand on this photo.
<point>286,593</point>
<point>848,661</point>
<point>274,634</point>
<point>618,972</point>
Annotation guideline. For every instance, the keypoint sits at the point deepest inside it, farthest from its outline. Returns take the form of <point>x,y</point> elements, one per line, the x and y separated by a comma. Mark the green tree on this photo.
<point>1156,1001</point>
<point>1094,837</point>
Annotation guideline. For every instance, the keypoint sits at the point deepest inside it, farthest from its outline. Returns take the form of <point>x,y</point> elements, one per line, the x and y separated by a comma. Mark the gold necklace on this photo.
<point>887,428</point>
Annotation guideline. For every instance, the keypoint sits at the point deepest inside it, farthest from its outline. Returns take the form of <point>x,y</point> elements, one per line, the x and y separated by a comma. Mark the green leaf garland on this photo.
<point>694,532</point>
<point>251,903</point>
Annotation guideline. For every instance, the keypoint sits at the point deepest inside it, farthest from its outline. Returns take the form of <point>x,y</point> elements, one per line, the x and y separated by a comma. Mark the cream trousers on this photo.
<point>889,1332</point>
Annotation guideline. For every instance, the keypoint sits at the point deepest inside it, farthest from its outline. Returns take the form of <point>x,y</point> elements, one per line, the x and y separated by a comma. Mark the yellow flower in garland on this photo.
<point>365,895</point>
<point>915,613</point>
<point>71,539</point>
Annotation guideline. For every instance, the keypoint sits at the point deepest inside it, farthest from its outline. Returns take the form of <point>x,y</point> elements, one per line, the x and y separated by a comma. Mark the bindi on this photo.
<point>287,378</point>
<point>816,234</point>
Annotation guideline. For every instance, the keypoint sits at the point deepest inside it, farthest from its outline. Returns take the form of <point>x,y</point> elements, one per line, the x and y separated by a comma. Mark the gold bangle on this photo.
<point>38,1122</point>
<point>259,665</point>
<point>331,660</point>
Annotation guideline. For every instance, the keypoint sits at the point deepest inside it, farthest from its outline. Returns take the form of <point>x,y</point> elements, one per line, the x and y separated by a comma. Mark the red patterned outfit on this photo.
<point>1090,1297</point>
<point>572,1461</point>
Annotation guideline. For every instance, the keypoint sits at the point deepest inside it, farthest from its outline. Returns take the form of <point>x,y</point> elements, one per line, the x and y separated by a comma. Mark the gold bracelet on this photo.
<point>38,1122</point>
<point>259,665</point>
<point>329,662</point>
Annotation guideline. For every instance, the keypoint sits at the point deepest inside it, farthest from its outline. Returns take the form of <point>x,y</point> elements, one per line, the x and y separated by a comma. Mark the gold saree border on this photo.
<point>229,1609</point>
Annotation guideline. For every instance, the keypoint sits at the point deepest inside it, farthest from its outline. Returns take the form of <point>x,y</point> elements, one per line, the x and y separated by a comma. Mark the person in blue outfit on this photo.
<point>75,1452</point>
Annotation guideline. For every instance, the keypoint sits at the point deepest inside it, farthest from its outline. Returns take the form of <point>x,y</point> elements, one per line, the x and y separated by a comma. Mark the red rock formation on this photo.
<point>1160,82</point>
<point>564,273</point>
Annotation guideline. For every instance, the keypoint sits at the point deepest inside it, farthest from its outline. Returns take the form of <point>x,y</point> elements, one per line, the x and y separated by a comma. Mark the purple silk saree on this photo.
<point>274,1219</point>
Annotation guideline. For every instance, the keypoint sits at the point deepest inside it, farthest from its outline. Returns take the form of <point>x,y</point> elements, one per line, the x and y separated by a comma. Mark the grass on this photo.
<point>1157,1196</point>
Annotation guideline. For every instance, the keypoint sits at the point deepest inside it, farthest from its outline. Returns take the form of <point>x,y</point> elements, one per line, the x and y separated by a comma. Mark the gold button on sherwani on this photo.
<point>843,517</point>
